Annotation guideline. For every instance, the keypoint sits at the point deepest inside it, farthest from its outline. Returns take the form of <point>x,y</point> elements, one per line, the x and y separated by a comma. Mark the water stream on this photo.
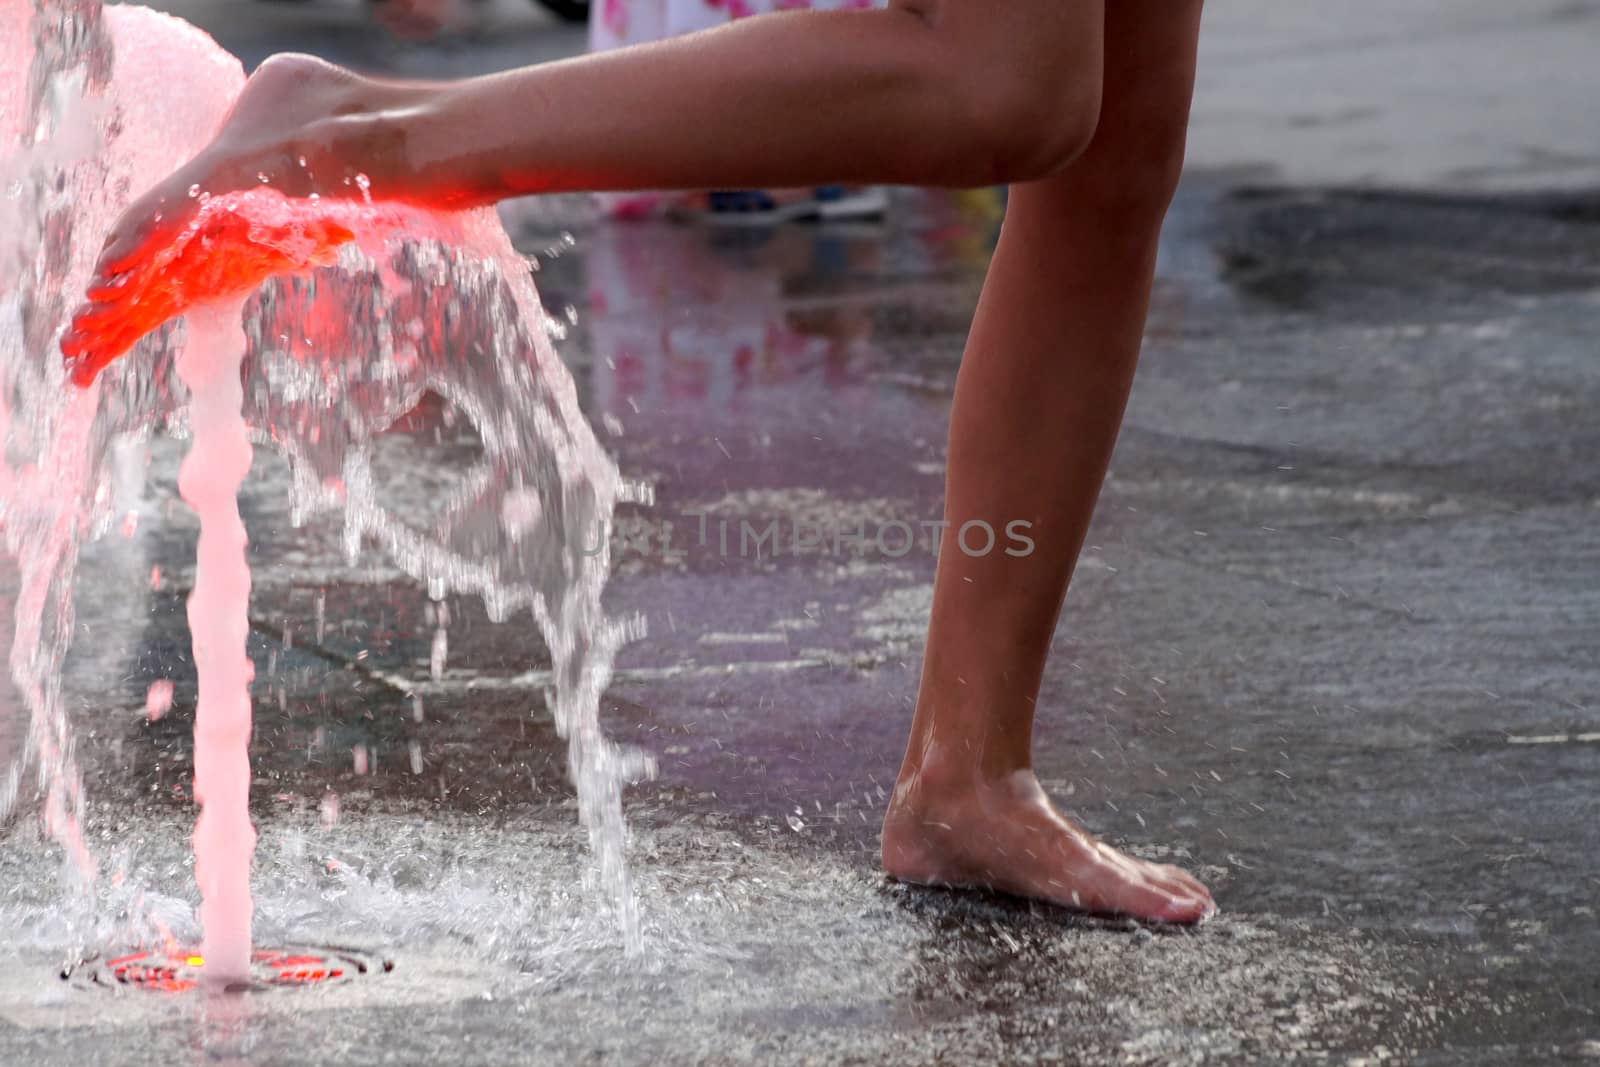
<point>95,106</point>
<point>219,620</point>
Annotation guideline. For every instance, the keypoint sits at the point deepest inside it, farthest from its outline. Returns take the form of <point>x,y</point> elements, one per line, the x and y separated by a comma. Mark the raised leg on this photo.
<point>930,92</point>
<point>1038,404</point>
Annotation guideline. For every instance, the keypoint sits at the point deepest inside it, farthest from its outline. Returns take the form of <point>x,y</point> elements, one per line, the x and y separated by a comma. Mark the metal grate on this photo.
<point>180,970</point>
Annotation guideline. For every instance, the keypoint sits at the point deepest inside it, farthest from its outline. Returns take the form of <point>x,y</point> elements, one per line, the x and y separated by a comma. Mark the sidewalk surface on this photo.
<point>1440,94</point>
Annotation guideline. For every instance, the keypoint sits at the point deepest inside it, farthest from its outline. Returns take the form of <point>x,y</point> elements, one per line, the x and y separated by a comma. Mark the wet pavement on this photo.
<point>1332,645</point>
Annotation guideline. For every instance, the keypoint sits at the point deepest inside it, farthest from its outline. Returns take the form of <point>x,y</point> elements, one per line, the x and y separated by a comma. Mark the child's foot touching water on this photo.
<point>1080,105</point>
<point>281,133</point>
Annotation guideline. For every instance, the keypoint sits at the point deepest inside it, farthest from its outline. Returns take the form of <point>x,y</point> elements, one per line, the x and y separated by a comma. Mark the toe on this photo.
<point>97,317</point>
<point>1147,900</point>
<point>125,248</point>
<point>1179,875</point>
<point>1167,880</point>
<point>1194,886</point>
<point>149,225</point>
<point>1187,910</point>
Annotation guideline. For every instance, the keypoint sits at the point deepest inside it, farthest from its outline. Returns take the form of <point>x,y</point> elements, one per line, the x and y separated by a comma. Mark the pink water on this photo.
<point>218,460</point>
<point>316,364</point>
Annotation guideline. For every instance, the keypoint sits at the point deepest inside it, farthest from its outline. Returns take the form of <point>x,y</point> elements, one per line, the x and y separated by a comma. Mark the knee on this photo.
<point>1130,171</point>
<point>1028,126</point>
<point>1018,84</point>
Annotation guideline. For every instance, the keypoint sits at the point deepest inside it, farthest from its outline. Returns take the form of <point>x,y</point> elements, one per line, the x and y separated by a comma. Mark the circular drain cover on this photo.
<point>181,970</point>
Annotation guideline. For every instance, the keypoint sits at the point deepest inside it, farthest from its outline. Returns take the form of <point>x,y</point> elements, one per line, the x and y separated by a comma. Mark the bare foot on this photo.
<point>281,133</point>
<point>1004,835</point>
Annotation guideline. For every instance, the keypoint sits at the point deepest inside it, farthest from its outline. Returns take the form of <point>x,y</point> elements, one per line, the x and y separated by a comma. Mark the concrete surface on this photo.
<point>1457,94</point>
<point>1333,644</point>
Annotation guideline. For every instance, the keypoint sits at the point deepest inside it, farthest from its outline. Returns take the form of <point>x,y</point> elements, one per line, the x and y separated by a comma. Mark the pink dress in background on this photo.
<point>614,23</point>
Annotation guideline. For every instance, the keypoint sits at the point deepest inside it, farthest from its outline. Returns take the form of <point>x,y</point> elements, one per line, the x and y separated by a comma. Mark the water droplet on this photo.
<point>796,823</point>
<point>329,809</point>
<point>159,699</point>
<point>436,657</point>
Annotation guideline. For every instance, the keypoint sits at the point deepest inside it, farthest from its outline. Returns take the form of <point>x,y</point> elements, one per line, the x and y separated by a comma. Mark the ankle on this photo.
<point>943,775</point>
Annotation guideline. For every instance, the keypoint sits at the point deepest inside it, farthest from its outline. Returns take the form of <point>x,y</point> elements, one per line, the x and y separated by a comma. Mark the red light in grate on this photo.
<point>179,970</point>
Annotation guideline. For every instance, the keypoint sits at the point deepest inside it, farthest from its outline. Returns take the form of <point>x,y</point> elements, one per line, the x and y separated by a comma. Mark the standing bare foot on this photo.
<point>1004,835</point>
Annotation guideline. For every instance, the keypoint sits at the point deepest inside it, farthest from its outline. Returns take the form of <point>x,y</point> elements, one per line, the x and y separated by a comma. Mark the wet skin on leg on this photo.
<point>1050,358</point>
<point>941,92</point>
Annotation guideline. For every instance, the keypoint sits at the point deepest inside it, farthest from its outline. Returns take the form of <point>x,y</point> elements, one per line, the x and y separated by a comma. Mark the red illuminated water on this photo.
<point>308,327</point>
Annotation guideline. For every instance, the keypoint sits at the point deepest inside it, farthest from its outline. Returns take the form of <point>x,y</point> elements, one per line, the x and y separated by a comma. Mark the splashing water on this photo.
<point>101,104</point>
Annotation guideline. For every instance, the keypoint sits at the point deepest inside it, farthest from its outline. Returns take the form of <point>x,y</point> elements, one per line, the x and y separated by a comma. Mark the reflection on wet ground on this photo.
<point>1331,644</point>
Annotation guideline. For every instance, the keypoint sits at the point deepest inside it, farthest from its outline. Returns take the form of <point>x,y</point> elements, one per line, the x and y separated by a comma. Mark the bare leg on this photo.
<point>930,92</point>
<point>1038,404</point>
<point>942,92</point>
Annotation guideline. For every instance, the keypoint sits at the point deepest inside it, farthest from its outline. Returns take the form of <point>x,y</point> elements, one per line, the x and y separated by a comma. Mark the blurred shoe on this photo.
<point>756,207</point>
<point>828,203</point>
<point>852,202</point>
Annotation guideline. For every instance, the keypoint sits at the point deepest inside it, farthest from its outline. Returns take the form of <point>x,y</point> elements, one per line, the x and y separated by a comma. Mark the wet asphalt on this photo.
<point>1332,645</point>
